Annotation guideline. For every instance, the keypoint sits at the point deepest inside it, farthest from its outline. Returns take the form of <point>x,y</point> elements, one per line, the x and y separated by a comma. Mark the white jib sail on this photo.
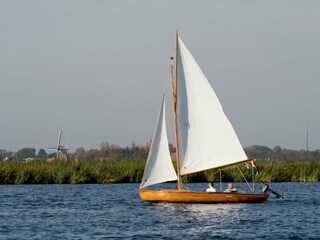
<point>159,167</point>
<point>206,138</point>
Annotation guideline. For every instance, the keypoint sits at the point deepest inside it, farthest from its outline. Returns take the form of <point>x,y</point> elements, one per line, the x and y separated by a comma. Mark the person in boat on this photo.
<point>210,188</point>
<point>231,189</point>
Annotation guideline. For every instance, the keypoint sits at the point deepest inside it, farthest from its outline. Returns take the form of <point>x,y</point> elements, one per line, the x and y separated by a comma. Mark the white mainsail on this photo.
<point>206,138</point>
<point>159,167</point>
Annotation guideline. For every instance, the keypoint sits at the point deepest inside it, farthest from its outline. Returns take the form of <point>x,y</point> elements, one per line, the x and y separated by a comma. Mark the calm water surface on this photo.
<point>116,211</point>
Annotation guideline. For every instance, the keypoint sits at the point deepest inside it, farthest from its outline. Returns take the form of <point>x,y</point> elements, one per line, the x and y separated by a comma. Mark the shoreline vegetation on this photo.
<point>131,171</point>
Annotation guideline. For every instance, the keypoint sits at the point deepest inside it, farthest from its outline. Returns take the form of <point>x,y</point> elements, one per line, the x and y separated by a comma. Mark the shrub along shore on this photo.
<point>131,171</point>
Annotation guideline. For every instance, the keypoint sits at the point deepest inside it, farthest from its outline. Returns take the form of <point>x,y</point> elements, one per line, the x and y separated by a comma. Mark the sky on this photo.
<point>97,69</point>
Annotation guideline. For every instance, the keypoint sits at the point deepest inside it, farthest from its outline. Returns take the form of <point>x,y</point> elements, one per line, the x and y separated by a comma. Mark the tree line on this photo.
<point>109,151</point>
<point>106,151</point>
<point>281,154</point>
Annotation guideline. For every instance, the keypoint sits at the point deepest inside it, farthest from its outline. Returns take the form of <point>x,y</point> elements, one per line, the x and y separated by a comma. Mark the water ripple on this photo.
<point>116,212</point>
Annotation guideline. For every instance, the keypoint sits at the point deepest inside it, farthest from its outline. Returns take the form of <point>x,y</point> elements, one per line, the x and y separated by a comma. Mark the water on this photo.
<point>116,211</point>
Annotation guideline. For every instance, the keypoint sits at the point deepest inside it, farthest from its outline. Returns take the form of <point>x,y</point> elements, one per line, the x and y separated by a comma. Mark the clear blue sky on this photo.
<point>97,69</point>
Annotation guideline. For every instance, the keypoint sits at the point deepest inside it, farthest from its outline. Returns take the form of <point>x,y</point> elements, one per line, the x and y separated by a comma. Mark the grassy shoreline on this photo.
<point>131,171</point>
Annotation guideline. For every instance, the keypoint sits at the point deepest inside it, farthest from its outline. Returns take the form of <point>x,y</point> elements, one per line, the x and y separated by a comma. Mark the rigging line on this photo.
<point>245,179</point>
<point>220,180</point>
<point>166,84</point>
<point>252,178</point>
<point>184,187</point>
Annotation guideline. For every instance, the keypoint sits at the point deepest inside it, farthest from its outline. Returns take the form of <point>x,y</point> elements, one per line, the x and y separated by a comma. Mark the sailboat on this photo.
<point>204,139</point>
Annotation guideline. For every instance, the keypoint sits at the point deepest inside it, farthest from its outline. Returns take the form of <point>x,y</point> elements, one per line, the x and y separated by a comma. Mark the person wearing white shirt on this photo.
<point>210,188</point>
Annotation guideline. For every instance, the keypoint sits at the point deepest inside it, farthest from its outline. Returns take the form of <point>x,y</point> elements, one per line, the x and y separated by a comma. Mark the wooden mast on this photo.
<point>174,102</point>
<point>174,106</point>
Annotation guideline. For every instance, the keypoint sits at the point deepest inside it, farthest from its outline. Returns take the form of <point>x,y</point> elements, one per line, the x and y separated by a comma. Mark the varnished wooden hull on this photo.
<point>182,196</point>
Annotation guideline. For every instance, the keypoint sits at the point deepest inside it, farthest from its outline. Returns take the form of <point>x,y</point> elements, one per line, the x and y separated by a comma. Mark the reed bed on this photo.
<point>131,171</point>
<point>71,172</point>
<point>271,171</point>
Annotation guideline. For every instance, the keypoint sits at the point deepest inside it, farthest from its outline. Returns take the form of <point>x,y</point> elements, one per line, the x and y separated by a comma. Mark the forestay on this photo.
<point>159,167</point>
<point>206,138</point>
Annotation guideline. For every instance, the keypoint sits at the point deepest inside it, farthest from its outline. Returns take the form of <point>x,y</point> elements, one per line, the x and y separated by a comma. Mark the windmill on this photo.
<point>60,150</point>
